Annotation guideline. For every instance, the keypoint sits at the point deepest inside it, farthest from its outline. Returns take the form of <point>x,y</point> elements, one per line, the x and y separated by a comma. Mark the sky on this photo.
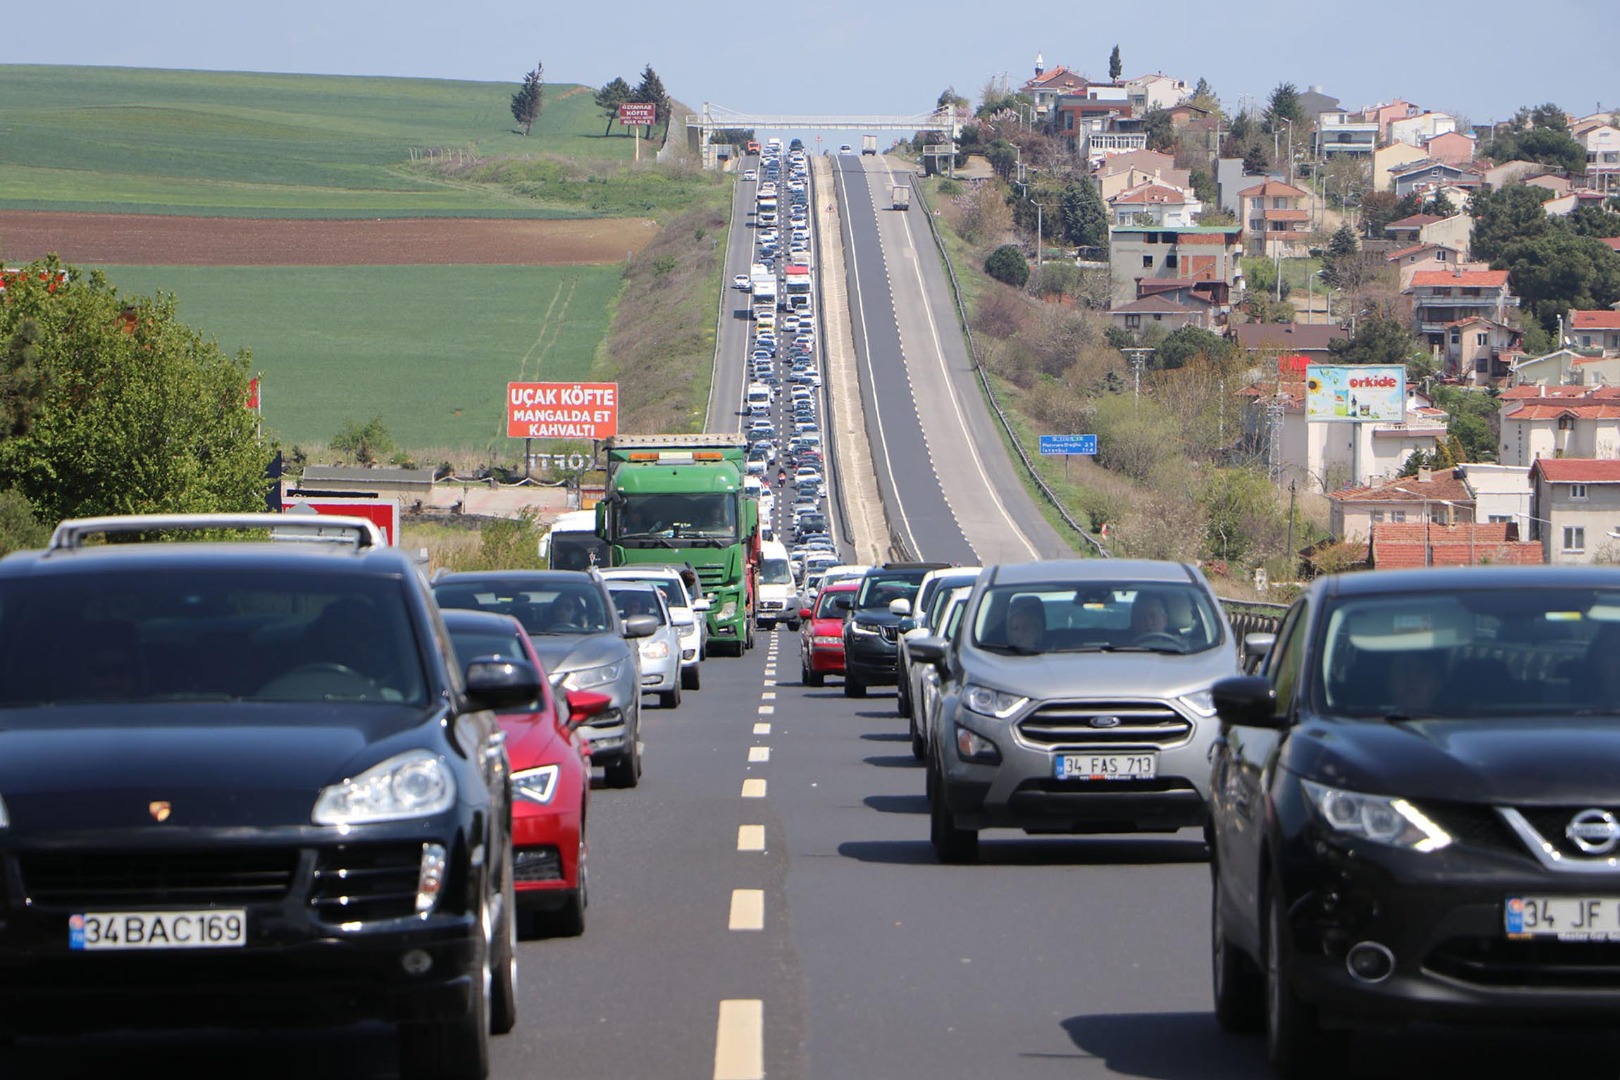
<point>866,56</point>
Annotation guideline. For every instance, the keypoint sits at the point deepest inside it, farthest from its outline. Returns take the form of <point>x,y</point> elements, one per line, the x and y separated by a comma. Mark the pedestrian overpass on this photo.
<point>700,126</point>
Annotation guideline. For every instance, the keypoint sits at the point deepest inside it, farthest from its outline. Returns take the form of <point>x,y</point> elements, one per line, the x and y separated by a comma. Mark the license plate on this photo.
<point>1107,766</point>
<point>1566,918</point>
<point>158,930</point>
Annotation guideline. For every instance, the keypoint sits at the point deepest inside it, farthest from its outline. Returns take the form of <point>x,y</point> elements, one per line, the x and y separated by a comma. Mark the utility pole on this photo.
<point>1138,360</point>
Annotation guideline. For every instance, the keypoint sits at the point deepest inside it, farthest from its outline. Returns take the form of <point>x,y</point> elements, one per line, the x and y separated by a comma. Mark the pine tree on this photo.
<point>651,89</point>
<point>1284,106</point>
<point>1115,66</point>
<point>609,98</point>
<point>1085,218</point>
<point>530,98</point>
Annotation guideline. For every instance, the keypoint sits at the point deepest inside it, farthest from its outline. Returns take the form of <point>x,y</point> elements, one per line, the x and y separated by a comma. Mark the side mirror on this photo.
<point>1256,647</point>
<point>584,704</point>
<point>701,604</point>
<point>928,650</point>
<point>900,606</point>
<point>639,626</point>
<point>1248,701</point>
<point>498,683</point>
<point>805,613</point>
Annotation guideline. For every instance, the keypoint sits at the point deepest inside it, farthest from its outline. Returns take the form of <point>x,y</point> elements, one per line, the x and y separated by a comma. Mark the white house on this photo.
<point>1155,204</point>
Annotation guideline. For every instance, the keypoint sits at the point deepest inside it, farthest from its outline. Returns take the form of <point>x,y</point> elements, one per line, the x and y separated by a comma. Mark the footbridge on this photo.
<point>699,126</point>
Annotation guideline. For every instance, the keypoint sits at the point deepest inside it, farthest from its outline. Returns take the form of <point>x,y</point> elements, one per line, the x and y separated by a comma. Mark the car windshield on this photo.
<point>1462,653</point>
<point>678,516</point>
<point>832,605</point>
<point>206,635</point>
<point>879,589</point>
<point>637,601</point>
<point>1045,617</point>
<point>542,609</point>
<point>775,572</point>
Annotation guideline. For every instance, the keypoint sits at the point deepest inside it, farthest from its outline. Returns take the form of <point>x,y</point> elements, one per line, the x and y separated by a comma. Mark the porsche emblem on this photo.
<point>159,810</point>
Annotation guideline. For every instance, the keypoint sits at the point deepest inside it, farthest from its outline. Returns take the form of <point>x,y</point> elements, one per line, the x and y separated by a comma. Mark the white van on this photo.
<point>778,600</point>
<point>760,394</point>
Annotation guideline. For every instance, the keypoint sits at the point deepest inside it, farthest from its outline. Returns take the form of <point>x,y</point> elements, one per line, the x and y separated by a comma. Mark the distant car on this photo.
<point>751,174</point>
<point>741,283</point>
<point>551,779</point>
<point>660,650</point>
<point>922,619</point>
<point>685,610</point>
<point>845,149</point>
<point>871,637</point>
<point>821,634</point>
<point>925,678</point>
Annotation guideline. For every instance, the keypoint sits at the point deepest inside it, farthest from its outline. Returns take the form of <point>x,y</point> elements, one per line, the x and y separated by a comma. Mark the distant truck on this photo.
<point>900,196</point>
<point>572,544</point>
<point>868,145</point>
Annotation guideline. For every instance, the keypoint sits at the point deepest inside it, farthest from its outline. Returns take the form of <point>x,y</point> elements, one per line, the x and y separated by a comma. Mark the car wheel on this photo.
<point>853,688</point>
<point>811,678</point>
<point>1240,996</point>
<point>918,748</point>
<point>503,964</point>
<point>670,699</point>
<point>626,772</point>
<point>691,678</point>
<point>453,1049</point>
<point>794,626</point>
<point>1296,1043</point>
<point>951,844</point>
<point>902,697</point>
<point>569,920</point>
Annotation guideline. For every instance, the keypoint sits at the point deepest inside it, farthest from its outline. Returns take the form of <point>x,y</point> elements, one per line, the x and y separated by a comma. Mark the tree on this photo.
<point>609,98</point>
<point>1255,158</point>
<point>1596,221</point>
<point>24,380</point>
<point>1002,156</point>
<point>1559,270</point>
<point>1342,248</point>
<point>1504,216</point>
<point>1058,279</point>
<point>138,413</point>
<point>1007,265</point>
<point>1116,67</point>
<point>1538,134</point>
<point>1440,206</point>
<point>1204,97</point>
<point>528,101</point>
<point>1284,108</point>
<point>1161,132</point>
<point>950,99</point>
<point>367,443</point>
<point>1379,339</point>
<point>1085,218</point>
<point>1377,210</point>
<point>651,90</point>
<point>1186,343</point>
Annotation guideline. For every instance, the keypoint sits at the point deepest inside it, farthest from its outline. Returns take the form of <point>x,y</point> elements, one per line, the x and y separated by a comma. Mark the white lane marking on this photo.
<point>770,682</point>
<point>877,408</point>
<point>739,1040</point>
<point>757,754</point>
<point>762,729</point>
<point>766,710</point>
<point>747,909</point>
<point>769,695</point>
<point>754,788</point>
<point>750,838</point>
<point>956,404</point>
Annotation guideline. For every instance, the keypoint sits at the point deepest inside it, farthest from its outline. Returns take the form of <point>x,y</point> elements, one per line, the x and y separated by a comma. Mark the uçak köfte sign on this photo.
<point>562,410</point>
<point>1355,392</point>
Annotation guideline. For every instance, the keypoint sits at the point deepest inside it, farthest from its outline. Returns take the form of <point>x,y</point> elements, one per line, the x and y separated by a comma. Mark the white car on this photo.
<point>751,174</point>
<point>741,282</point>
<point>684,611</point>
<point>661,651</point>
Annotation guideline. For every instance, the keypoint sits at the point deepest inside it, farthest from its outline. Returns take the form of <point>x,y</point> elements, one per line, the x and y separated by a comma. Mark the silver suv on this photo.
<point>1075,698</point>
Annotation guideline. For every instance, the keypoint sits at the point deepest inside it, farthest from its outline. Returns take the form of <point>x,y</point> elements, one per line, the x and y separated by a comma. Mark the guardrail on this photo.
<point>1252,617</point>
<point>984,378</point>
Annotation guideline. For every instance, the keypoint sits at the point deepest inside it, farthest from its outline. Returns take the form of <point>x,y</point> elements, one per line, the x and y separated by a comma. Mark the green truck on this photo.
<point>681,499</point>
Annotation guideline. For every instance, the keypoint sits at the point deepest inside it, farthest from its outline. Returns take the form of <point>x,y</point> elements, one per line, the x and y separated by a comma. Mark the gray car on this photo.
<point>1075,698</point>
<point>582,641</point>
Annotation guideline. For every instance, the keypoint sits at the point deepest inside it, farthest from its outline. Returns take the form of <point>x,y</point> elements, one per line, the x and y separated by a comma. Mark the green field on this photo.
<point>131,140</point>
<point>428,348</point>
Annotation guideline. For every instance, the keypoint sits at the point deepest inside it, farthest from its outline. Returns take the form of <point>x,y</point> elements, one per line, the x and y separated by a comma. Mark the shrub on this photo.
<point>1007,265</point>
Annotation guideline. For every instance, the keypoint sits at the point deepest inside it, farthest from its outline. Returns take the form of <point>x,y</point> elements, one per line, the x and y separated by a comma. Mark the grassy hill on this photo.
<point>130,140</point>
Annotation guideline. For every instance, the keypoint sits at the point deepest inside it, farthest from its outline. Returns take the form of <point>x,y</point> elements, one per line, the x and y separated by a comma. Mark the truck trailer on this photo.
<point>900,196</point>
<point>868,145</point>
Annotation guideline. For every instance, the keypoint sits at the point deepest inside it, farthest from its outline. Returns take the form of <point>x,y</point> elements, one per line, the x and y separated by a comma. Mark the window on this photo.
<point>1482,339</point>
<point>1586,341</point>
<point>1482,364</point>
<point>1577,491</point>
<point>1566,423</point>
<point>1456,337</point>
<point>1158,317</point>
<point>1574,538</point>
<point>1377,516</point>
<point>1147,262</point>
<point>1132,322</point>
<point>1279,204</point>
<point>1397,516</point>
<point>1171,261</point>
<point>1499,519</point>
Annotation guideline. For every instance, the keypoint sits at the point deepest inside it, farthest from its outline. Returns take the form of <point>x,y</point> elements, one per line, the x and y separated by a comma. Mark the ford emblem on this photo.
<point>1105,721</point>
<point>1596,832</point>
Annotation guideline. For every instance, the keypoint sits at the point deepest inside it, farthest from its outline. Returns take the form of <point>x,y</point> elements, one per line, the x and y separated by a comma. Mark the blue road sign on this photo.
<point>1068,444</point>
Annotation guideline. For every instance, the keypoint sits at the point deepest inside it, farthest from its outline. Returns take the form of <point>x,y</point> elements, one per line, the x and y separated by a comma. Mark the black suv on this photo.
<point>1415,810</point>
<point>245,783</point>
<point>872,630</point>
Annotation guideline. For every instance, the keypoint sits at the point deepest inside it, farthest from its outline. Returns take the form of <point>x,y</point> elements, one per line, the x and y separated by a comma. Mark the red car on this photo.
<point>551,780</point>
<point>821,633</point>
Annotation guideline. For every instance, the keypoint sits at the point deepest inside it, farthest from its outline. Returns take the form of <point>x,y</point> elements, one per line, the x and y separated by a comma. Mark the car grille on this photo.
<point>108,880</point>
<point>537,864</point>
<point>1075,723</point>
<point>773,605</point>
<point>891,634</point>
<point>1497,961</point>
<point>1553,825</point>
<point>366,882</point>
<point>711,577</point>
<point>1477,826</point>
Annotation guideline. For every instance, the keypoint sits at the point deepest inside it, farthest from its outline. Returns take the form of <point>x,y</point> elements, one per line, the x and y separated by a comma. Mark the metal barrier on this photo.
<point>984,379</point>
<point>1252,617</point>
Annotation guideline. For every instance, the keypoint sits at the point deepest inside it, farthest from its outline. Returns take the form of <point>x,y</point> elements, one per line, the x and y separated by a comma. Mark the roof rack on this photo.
<point>70,535</point>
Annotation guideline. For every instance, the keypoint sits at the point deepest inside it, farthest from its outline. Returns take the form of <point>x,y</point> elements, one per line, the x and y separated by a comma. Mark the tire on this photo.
<point>951,845</point>
<point>853,688</point>
<point>692,677</point>
<point>1296,1043</point>
<point>626,772</point>
<point>794,626</point>
<point>670,699</point>
<point>902,697</point>
<point>451,1049</point>
<point>811,678</point>
<point>569,920</point>
<point>504,961</point>
<point>919,749</point>
<point>1240,992</point>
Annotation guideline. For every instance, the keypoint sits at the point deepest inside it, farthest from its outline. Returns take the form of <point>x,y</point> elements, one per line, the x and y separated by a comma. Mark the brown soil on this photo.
<point>157,240</point>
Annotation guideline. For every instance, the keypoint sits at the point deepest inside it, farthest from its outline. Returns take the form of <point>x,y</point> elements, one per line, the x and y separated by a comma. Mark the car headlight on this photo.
<point>585,678</point>
<point>987,702</point>
<point>689,630</point>
<point>536,785</point>
<point>410,785</point>
<point>655,650</point>
<point>1201,702</point>
<point>728,609</point>
<point>862,630</point>
<point>1377,818</point>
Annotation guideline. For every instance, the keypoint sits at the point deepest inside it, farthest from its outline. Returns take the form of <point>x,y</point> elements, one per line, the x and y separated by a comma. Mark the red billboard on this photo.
<point>384,513</point>
<point>562,410</point>
<point>638,113</point>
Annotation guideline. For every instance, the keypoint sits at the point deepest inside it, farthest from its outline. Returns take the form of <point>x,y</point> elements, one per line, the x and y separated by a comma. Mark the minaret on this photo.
<point>1040,66</point>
